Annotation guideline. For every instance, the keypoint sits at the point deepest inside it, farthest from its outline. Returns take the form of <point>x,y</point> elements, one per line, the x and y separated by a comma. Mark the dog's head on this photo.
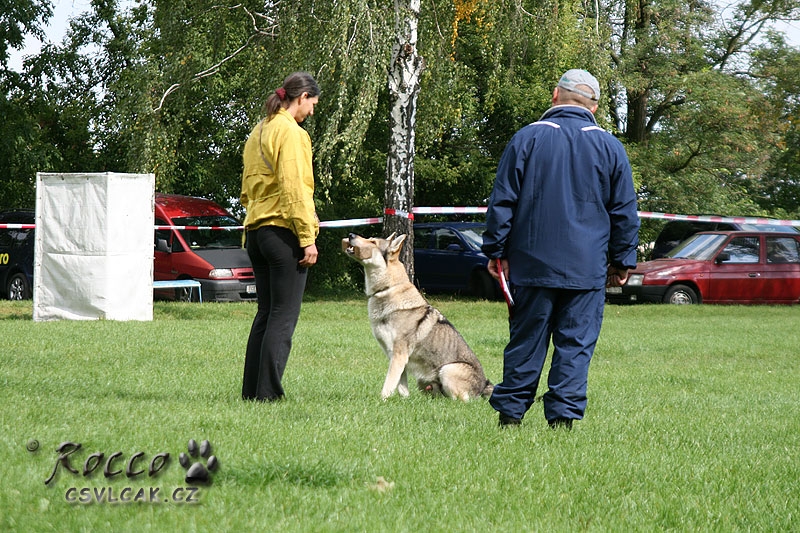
<point>373,251</point>
<point>380,259</point>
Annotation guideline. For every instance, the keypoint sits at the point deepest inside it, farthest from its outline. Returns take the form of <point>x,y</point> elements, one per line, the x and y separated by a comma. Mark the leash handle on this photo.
<point>504,285</point>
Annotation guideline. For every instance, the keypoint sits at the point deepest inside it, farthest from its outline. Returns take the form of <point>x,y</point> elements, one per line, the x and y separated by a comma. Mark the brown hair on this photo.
<point>293,86</point>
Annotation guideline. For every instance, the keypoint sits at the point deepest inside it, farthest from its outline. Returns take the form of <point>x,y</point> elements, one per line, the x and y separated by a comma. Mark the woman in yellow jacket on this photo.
<point>282,226</point>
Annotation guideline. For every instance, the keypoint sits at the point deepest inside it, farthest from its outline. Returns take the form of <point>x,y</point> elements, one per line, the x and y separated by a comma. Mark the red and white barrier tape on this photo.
<point>399,213</point>
<point>471,210</point>
<point>195,228</point>
<point>715,218</point>
<point>326,224</point>
<point>350,222</point>
<point>17,226</point>
<point>448,210</point>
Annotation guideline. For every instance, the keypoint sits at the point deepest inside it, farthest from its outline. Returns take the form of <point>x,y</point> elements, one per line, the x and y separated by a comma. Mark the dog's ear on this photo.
<point>390,237</point>
<point>396,244</point>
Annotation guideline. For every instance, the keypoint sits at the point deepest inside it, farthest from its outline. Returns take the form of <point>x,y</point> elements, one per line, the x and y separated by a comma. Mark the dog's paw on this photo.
<point>198,472</point>
<point>386,393</point>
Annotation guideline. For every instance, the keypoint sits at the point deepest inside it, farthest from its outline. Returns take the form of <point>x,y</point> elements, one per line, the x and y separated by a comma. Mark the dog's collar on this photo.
<point>387,289</point>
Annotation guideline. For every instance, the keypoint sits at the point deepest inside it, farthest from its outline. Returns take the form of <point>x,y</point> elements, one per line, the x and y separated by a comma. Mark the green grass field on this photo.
<point>693,424</point>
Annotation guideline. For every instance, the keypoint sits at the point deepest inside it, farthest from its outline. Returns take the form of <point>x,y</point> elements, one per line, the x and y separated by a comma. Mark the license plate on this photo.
<point>251,289</point>
<point>613,290</point>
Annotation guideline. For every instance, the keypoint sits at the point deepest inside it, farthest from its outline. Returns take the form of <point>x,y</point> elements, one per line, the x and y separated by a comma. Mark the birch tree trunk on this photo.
<point>404,73</point>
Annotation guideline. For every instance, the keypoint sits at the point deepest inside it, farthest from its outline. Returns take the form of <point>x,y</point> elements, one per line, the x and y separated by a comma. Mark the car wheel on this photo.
<point>18,287</point>
<point>481,285</point>
<point>187,294</point>
<point>681,295</point>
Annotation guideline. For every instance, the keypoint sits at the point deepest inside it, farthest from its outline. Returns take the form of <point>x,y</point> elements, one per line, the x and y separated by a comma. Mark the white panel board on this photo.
<point>93,257</point>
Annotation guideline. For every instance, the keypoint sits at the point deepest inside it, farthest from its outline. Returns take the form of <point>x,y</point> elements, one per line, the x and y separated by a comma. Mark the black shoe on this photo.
<point>507,421</point>
<point>557,423</point>
<point>271,399</point>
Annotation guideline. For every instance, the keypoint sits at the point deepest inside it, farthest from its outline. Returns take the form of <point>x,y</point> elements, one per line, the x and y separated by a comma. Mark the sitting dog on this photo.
<point>414,335</point>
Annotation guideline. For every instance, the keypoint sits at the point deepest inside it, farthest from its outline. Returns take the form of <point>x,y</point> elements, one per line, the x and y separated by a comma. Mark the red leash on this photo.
<point>504,286</point>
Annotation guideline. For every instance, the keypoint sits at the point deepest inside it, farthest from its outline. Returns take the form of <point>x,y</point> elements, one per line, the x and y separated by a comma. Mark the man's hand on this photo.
<point>616,276</point>
<point>492,268</point>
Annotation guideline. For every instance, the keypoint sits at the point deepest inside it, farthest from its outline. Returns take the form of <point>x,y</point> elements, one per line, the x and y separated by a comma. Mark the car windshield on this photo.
<point>210,238</point>
<point>701,246</point>
<point>473,236</point>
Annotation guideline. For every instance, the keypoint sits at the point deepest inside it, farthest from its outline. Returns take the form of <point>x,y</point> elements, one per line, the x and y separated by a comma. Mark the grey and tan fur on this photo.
<point>415,336</point>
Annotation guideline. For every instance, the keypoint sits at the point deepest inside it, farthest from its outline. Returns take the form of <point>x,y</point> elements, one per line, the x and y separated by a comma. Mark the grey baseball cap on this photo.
<point>574,77</point>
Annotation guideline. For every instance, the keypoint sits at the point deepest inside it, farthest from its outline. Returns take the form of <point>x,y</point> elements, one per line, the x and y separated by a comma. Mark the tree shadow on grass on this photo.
<point>17,310</point>
<point>314,474</point>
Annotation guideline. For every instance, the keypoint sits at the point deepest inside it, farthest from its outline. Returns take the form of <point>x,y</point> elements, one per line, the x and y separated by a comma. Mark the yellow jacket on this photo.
<point>278,178</point>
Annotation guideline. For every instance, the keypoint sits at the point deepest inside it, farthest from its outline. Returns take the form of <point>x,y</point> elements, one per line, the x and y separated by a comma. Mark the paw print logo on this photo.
<point>198,473</point>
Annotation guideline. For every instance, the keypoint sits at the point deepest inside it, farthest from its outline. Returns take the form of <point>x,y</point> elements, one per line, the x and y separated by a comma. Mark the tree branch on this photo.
<point>271,31</point>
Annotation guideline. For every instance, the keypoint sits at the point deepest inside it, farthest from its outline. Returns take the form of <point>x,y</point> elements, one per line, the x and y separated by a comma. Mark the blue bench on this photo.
<point>190,284</point>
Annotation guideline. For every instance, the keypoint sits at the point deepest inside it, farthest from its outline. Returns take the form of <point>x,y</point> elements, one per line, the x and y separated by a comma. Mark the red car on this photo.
<point>722,267</point>
<point>213,257</point>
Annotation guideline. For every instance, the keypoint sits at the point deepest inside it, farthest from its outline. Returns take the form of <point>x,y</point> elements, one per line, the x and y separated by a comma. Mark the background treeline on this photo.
<point>706,97</point>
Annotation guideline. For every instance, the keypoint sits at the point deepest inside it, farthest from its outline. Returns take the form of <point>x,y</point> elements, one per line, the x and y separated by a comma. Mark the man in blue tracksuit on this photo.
<point>562,221</point>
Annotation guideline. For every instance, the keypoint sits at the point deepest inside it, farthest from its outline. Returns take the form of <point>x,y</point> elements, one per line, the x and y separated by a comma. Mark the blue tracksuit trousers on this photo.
<point>572,319</point>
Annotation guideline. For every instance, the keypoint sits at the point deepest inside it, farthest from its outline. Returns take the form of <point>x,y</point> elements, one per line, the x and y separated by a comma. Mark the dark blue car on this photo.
<point>16,255</point>
<point>448,258</point>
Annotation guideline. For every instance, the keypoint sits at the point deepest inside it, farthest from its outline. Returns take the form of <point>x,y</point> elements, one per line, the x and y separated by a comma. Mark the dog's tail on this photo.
<point>488,389</point>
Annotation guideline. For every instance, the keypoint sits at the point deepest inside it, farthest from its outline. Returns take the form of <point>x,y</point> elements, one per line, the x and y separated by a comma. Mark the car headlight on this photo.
<point>219,273</point>
<point>635,280</point>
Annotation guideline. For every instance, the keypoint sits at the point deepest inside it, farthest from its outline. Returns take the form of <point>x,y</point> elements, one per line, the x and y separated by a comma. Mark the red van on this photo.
<point>213,257</point>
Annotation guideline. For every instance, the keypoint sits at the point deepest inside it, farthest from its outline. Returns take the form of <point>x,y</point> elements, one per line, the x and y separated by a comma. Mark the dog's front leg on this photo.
<point>397,372</point>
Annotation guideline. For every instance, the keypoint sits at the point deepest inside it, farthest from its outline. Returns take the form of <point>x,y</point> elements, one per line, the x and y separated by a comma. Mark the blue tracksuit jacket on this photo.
<point>563,205</point>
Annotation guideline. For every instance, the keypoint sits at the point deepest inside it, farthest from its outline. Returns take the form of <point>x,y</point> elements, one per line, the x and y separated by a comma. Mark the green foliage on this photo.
<point>699,110</point>
<point>706,109</point>
<point>495,74</point>
<point>201,95</point>
<point>21,140</point>
<point>22,149</point>
<point>654,46</point>
<point>778,67</point>
<point>698,163</point>
<point>662,447</point>
<point>335,274</point>
<point>19,19</point>
<point>780,190</point>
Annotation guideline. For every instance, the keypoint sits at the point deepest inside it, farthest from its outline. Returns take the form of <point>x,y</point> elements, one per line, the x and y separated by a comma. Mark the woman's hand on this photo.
<point>309,256</point>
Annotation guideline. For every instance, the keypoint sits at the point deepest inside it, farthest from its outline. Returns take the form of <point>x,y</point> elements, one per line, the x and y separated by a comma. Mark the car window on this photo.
<point>445,237</point>
<point>422,238</point>
<point>699,246</point>
<point>210,238</point>
<point>13,237</point>
<point>474,236</point>
<point>164,234</point>
<point>723,226</point>
<point>743,250</point>
<point>673,231</point>
<point>783,250</point>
